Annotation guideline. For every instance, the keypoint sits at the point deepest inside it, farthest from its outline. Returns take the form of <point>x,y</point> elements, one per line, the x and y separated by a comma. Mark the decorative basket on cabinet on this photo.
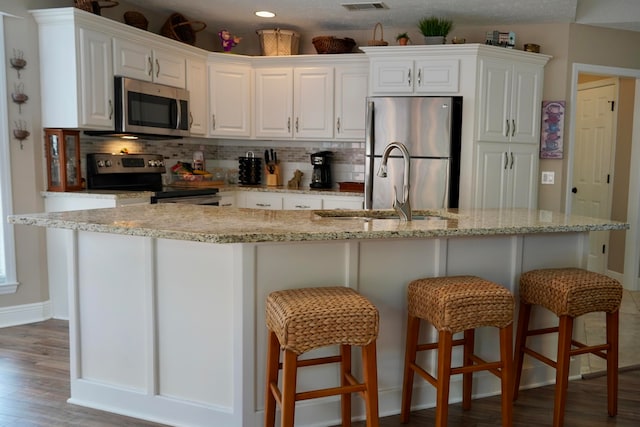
<point>330,44</point>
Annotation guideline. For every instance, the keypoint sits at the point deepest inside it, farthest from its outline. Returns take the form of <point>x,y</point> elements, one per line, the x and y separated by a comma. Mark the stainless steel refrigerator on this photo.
<point>430,128</point>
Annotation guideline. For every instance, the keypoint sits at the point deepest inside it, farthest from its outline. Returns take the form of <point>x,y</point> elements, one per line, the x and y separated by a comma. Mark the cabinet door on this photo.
<point>229,100</point>
<point>495,99</point>
<point>132,60</point>
<point>295,202</point>
<point>261,200</point>
<point>391,76</point>
<point>523,171</point>
<point>273,102</point>
<point>169,68</point>
<point>492,174</point>
<point>197,87</point>
<point>350,101</point>
<point>313,102</point>
<point>340,202</point>
<point>96,79</point>
<point>437,76</point>
<point>526,104</point>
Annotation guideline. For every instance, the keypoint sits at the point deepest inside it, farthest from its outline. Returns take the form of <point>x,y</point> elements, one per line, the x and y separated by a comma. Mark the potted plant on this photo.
<point>435,29</point>
<point>402,39</point>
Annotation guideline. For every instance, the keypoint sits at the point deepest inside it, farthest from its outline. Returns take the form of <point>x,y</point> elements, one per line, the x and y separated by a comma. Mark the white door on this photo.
<point>313,102</point>
<point>593,170</point>
<point>132,60</point>
<point>492,175</point>
<point>273,102</point>
<point>229,100</point>
<point>351,82</point>
<point>96,73</point>
<point>169,68</point>
<point>523,180</point>
<point>197,87</point>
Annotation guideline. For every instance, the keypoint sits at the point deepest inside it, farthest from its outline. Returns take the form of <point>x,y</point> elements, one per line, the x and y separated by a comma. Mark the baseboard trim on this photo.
<point>23,314</point>
<point>592,375</point>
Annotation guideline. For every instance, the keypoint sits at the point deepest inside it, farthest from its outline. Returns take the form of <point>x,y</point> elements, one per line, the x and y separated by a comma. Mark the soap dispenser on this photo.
<point>198,160</point>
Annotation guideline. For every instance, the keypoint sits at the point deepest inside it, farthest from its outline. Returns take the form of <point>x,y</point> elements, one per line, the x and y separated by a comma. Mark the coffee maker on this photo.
<point>321,175</point>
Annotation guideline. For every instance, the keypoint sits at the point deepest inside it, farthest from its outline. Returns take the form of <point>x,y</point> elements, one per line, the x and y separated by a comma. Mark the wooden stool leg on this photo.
<point>506,342</point>
<point>467,378</point>
<point>562,369</point>
<point>345,370</point>
<point>521,341</point>
<point>444,377</point>
<point>613,320</point>
<point>289,373</point>
<point>273,359</point>
<point>370,368</point>
<point>413,330</point>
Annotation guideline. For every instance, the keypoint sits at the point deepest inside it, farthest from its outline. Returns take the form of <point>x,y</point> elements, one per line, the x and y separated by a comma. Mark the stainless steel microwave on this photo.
<point>148,109</point>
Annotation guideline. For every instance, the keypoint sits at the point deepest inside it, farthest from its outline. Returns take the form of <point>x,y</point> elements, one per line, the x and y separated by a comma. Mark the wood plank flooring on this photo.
<point>34,387</point>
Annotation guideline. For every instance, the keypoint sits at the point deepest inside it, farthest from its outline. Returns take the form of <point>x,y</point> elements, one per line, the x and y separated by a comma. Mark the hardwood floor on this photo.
<point>34,387</point>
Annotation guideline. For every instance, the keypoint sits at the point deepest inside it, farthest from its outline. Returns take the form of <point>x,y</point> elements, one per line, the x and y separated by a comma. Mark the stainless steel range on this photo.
<point>142,172</point>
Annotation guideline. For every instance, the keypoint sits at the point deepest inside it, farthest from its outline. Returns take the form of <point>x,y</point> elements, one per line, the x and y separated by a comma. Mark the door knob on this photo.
<point>574,190</point>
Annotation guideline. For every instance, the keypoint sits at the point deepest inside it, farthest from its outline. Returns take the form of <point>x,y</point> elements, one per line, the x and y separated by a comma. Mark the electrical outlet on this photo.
<point>548,177</point>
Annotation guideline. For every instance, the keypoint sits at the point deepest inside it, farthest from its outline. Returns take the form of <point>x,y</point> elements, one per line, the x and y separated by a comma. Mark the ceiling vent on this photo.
<point>364,6</point>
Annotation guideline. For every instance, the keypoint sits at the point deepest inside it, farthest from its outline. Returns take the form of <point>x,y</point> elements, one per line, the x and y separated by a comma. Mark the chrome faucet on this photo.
<point>403,207</point>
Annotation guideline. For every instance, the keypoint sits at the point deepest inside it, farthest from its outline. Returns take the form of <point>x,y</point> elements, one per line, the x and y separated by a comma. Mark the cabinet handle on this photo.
<point>506,160</point>
<point>157,68</point>
<point>226,204</point>
<point>110,109</point>
<point>513,128</point>
<point>507,133</point>
<point>303,207</point>
<point>213,121</point>
<point>338,124</point>
<point>289,124</point>
<point>420,77</point>
<point>296,124</point>
<point>190,119</point>
<point>263,205</point>
<point>511,167</point>
<point>409,77</point>
<point>150,66</point>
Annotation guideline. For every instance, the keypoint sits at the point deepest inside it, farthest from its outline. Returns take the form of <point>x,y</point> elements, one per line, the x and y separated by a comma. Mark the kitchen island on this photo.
<point>167,301</point>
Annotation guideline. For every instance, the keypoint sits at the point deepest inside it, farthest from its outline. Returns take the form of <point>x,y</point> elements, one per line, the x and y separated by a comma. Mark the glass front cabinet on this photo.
<point>63,159</point>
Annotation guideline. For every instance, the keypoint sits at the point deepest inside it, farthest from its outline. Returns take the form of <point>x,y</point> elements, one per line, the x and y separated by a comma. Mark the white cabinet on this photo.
<point>301,202</point>
<point>227,199</point>
<point>229,99</point>
<point>260,200</point>
<point>351,86</point>
<point>294,102</point>
<point>142,62</point>
<point>76,72</point>
<point>419,77</point>
<point>510,101</point>
<point>342,202</point>
<point>197,87</point>
<point>506,175</point>
<point>295,201</point>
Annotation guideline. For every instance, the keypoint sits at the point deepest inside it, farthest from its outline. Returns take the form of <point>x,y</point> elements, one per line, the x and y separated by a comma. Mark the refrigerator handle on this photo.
<point>368,156</point>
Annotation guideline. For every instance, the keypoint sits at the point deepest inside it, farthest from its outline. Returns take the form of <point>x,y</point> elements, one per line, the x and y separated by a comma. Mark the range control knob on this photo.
<point>100,163</point>
<point>108,163</point>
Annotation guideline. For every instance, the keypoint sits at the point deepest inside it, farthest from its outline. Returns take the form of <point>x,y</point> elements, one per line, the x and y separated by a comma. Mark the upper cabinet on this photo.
<point>197,87</point>
<point>76,70</point>
<point>421,76</point>
<point>510,101</point>
<point>351,85</point>
<point>229,99</point>
<point>143,62</point>
<point>294,102</point>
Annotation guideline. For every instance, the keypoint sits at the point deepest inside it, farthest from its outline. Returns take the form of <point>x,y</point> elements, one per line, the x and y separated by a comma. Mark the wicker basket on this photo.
<point>179,28</point>
<point>278,42</point>
<point>95,6</point>
<point>376,42</point>
<point>136,19</point>
<point>330,44</point>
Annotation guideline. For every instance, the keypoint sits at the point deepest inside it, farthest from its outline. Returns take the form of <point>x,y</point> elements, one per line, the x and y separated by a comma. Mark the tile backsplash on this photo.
<point>347,161</point>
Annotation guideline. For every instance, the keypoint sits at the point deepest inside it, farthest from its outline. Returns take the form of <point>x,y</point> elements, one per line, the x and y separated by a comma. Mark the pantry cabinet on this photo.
<point>510,101</point>
<point>143,62</point>
<point>294,102</point>
<point>506,175</point>
<point>229,99</point>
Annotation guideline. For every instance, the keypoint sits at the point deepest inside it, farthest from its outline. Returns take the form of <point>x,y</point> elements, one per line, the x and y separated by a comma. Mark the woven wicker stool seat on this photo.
<point>300,320</point>
<point>457,304</point>
<point>569,293</point>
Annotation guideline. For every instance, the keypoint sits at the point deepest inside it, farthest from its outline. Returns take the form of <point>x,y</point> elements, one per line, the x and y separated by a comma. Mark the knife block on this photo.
<point>273,179</point>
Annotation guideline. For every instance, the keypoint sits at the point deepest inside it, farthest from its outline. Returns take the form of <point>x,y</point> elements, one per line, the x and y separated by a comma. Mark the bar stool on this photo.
<point>456,304</point>
<point>300,320</point>
<point>569,293</point>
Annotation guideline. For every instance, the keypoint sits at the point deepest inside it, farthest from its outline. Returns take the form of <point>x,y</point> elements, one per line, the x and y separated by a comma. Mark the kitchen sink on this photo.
<point>367,215</point>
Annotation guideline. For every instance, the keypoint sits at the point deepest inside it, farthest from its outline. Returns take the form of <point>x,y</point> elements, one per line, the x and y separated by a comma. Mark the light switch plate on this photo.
<point>548,177</point>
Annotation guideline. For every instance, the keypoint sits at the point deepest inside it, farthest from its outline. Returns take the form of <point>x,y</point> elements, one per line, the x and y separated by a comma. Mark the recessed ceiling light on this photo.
<point>265,14</point>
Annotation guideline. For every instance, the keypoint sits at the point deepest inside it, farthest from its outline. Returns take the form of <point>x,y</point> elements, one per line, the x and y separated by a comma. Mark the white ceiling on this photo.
<point>318,15</point>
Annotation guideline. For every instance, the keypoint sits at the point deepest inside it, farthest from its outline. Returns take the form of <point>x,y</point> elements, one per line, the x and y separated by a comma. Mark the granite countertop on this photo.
<point>238,225</point>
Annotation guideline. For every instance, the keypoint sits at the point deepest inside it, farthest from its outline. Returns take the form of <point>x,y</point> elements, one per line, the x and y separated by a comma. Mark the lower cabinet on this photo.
<point>260,200</point>
<point>506,175</point>
<point>227,199</point>
<point>294,201</point>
